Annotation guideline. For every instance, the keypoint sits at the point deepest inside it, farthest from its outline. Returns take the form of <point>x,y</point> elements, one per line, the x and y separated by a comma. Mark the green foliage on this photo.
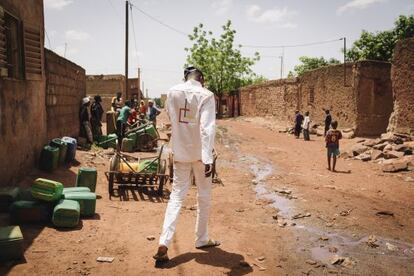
<point>223,66</point>
<point>311,63</point>
<point>380,45</point>
<point>158,102</point>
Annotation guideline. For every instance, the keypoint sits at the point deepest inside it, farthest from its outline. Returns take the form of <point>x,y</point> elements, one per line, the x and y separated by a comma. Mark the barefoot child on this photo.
<point>332,144</point>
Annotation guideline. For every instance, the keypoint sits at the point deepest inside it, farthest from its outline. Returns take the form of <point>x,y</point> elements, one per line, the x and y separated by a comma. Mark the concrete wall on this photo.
<point>22,112</point>
<point>65,88</point>
<point>360,100</point>
<point>402,119</point>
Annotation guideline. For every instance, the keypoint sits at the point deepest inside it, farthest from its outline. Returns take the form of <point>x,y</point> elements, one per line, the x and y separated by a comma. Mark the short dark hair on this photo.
<point>128,103</point>
<point>327,111</point>
<point>307,113</point>
<point>334,124</point>
<point>97,98</point>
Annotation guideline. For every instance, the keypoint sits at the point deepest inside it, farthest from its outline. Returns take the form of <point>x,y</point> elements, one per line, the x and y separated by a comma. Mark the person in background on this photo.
<point>96,117</point>
<point>191,109</point>
<point>328,121</point>
<point>133,117</point>
<point>142,109</point>
<point>305,126</point>
<point>332,144</point>
<point>152,112</point>
<point>298,123</point>
<point>121,122</point>
<point>116,103</point>
<point>85,124</point>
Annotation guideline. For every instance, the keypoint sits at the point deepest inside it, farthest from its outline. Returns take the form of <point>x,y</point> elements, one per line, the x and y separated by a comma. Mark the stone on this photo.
<point>337,260</point>
<point>345,155</point>
<point>361,140</point>
<point>348,135</point>
<point>371,142</point>
<point>388,147</point>
<point>150,238</point>
<point>358,149</point>
<point>393,154</point>
<point>347,130</point>
<point>311,262</point>
<point>396,166</point>
<point>298,216</point>
<point>403,148</point>
<point>376,154</point>
<point>380,146</point>
<point>391,247</point>
<point>409,144</point>
<point>409,179</point>
<point>260,259</point>
<point>366,156</point>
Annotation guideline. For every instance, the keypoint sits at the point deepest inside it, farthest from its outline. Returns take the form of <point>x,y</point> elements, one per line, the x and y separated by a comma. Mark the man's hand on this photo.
<point>208,170</point>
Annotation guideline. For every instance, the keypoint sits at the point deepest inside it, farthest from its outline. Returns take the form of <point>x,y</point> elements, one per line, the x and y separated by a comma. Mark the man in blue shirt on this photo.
<point>152,112</point>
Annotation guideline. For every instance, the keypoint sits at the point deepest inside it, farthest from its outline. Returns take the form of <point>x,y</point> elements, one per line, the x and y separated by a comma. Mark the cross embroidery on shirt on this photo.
<point>185,115</point>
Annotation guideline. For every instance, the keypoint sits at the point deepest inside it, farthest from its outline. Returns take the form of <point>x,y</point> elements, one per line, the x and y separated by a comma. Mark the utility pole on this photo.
<point>142,89</point>
<point>126,49</point>
<point>344,39</point>
<point>282,57</point>
<point>281,66</point>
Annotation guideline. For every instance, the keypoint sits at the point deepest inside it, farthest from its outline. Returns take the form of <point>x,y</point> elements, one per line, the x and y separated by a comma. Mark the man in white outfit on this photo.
<point>191,109</point>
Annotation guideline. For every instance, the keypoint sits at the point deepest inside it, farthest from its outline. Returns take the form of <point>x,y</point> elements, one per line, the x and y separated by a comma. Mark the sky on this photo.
<point>91,33</point>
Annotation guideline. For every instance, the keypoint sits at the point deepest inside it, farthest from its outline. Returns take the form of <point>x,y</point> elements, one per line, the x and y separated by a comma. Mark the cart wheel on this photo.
<point>111,184</point>
<point>145,142</point>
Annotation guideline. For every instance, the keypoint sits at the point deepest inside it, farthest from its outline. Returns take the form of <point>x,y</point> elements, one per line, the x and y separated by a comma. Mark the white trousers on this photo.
<point>180,186</point>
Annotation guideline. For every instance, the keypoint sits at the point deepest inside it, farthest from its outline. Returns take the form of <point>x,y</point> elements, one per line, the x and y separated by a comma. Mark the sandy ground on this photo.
<point>267,179</point>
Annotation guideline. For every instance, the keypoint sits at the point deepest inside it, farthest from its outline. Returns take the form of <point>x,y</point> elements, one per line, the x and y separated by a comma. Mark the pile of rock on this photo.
<point>393,151</point>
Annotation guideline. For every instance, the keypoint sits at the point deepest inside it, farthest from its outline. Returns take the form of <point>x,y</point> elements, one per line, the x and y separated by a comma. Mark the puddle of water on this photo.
<point>344,244</point>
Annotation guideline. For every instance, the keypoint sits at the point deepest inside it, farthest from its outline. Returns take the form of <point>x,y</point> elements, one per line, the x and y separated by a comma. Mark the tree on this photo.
<point>311,63</point>
<point>224,67</point>
<point>380,45</point>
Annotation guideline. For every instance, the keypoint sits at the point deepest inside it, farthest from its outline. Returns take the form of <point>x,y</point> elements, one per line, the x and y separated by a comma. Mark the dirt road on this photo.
<point>278,211</point>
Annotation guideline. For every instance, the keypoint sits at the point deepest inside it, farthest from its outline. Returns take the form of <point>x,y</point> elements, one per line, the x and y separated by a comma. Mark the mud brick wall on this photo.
<point>402,75</point>
<point>65,88</point>
<point>106,86</point>
<point>324,89</point>
<point>22,106</point>
<point>373,92</point>
<point>275,98</point>
<point>362,100</point>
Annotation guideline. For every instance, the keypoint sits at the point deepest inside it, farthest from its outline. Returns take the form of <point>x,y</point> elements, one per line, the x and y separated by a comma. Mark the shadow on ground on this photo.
<point>216,257</point>
<point>32,231</point>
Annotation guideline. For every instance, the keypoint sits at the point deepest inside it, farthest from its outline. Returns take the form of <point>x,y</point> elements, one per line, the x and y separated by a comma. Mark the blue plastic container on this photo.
<point>71,151</point>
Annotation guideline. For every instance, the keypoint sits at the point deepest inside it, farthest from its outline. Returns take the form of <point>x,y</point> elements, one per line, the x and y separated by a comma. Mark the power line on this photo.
<point>114,8</point>
<point>160,22</point>
<point>291,46</point>
<point>133,30</point>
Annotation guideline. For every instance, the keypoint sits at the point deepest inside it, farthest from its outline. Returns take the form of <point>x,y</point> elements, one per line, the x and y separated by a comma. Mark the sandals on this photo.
<point>210,243</point>
<point>161,256</point>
